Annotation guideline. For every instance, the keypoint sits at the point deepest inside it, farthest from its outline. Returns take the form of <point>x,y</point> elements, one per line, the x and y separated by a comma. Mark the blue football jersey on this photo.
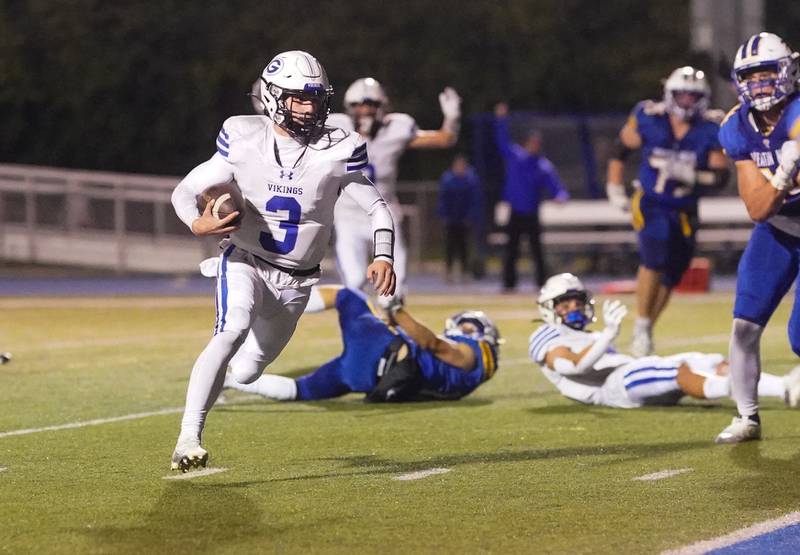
<point>741,140</point>
<point>450,381</point>
<point>660,150</point>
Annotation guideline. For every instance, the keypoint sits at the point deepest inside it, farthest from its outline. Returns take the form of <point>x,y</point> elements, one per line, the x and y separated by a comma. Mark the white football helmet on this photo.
<point>687,80</point>
<point>297,74</point>
<point>765,52</point>
<point>561,287</point>
<point>365,90</point>
<point>485,327</point>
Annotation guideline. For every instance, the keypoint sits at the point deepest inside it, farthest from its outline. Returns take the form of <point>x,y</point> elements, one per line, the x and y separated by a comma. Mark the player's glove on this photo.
<point>784,176</point>
<point>617,197</point>
<point>390,306</point>
<point>450,103</point>
<point>613,314</point>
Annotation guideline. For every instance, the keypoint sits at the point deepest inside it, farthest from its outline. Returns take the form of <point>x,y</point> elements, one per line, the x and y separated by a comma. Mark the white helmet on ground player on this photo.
<point>484,327</point>
<point>765,52</point>
<point>296,74</point>
<point>562,287</point>
<point>687,93</point>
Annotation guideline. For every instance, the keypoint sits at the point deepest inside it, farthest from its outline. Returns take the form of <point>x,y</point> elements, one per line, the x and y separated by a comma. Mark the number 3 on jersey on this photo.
<point>289,224</point>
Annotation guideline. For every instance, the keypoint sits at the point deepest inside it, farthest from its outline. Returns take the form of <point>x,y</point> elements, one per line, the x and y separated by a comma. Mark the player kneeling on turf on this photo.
<point>401,360</point>
<point>585,366</point>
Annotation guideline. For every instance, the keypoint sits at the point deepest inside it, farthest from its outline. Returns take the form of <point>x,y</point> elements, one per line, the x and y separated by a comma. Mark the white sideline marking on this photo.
<point>95,422</point>
<point>195,474</point>
<point>663,474</point>
<point>124,417</point>
<point>738,536</point>
<point>419,474</point>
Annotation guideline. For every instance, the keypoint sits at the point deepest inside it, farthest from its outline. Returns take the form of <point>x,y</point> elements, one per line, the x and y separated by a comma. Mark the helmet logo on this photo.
<point>274,66</point>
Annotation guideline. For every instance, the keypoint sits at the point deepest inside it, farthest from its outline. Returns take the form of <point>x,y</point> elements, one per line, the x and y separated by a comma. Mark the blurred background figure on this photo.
<point>527,175</point>
<point>388,135</point>
<point>681,159</point>
<point>460,209</point>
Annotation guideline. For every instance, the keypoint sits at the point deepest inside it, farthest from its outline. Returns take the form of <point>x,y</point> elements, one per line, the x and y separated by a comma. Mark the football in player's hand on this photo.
<point>229,199</point>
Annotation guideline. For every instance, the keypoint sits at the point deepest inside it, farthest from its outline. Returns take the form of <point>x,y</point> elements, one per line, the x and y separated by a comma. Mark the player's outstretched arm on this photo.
<point>447,136</point>
<point>380,272</point>
<point>626,143</point>
<point>564,361</point>
<point>211,172</point>
<point>450,352</point>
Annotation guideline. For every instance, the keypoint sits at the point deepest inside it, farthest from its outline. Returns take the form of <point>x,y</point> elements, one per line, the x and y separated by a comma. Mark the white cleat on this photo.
<point>642,344</point>
<point>5,358</point>
<point>740,429</point>
<point>188,455</point>
<point>791,382</point>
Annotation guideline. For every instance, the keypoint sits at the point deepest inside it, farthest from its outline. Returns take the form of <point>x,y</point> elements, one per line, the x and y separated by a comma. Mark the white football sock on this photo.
<point>315,301</point>
<point>279,388</point>
<point>745,365</point>
<point>206,381</point>
<point>643,325</point>
<point>771,386</point>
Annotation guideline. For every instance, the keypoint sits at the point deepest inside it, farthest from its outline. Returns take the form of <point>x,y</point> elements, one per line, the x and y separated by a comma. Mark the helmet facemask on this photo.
<point>304,125</point>
<point>578,318</point>
<point>753,92</point>
<point>473,324</point>
<point>687,93</point>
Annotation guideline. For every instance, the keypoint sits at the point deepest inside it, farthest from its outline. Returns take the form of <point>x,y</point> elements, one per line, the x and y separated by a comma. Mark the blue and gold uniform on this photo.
<point>769,264</point>
<point>664,208</point>
<point>366,340</point>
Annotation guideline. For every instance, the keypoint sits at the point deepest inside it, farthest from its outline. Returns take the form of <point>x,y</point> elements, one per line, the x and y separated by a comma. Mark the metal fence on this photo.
<point>125,222</point>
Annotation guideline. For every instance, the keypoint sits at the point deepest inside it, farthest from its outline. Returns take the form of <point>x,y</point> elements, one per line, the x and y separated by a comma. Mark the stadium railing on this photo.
<point>125,222</point>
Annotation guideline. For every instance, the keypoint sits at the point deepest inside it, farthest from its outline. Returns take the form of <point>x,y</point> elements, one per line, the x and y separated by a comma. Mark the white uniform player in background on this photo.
<point>388,135</point>
<point>585,367</point>
<point>291,169</point>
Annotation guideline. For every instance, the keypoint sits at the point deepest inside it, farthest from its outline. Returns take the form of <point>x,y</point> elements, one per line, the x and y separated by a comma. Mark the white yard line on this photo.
<point>420,474</point>
<point>738,536</point>
<point>3,469</point>
<point>95,422</point>
<point>123,418</point>
<point>663,474</point>
<point>195,474</point>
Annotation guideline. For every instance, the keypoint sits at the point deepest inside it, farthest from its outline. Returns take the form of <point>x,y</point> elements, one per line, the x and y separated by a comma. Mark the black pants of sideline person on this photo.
<point>456,235</point>
<point>518,225</point>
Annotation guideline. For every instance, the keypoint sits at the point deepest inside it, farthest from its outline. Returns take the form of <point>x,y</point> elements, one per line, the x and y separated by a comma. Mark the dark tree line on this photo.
<point>144,86</point>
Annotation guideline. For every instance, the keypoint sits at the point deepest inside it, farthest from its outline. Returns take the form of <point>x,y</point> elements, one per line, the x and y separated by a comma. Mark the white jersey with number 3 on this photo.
<point>290,189</point>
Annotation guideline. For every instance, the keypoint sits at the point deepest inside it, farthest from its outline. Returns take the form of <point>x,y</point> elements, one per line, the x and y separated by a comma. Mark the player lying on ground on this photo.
<point>291,168</point>
<point>585,367</point>
<point>395,362</point>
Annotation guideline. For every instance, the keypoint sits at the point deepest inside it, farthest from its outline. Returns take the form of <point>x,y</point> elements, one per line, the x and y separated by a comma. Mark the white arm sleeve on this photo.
<point>586,364</point>
<point>213,171</point>
<point>595,352</point>
<point>361,190</point>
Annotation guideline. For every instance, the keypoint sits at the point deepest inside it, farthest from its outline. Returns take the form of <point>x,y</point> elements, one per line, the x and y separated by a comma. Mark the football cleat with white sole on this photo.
<point>741,429</point>
<point>642,344</point>
<point>189,456</point>
<point>791,382</point>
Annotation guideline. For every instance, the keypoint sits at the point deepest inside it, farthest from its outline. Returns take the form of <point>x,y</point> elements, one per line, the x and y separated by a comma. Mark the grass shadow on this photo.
<point>769,484</point>
<point>372,465</point>
<point>188,517</point>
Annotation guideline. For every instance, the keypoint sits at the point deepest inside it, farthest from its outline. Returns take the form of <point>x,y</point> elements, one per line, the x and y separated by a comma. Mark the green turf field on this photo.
<point>529,472</point>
